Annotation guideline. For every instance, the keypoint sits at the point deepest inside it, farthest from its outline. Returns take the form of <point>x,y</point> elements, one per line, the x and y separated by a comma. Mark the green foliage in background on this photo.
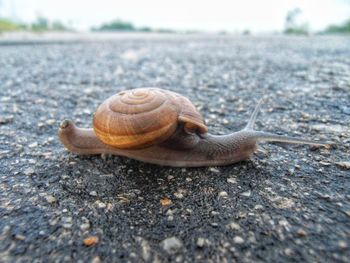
<point>334,29</point>
<point>116,25</point>
<point>291,25</point>
<point>119,25</point>
<point>40,25</point>
<point>43,24</point>
<point>7,25</point>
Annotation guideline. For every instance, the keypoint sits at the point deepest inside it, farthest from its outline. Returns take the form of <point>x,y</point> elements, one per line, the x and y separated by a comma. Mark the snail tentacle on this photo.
<point>252,119</point>
<point>270,137</point>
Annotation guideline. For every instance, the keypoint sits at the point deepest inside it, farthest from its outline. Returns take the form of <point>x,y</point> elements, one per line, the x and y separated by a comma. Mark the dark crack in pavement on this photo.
<point>291,204</point>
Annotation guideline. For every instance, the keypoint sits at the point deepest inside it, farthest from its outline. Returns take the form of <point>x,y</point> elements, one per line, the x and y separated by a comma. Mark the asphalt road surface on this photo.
<point>289,204</point>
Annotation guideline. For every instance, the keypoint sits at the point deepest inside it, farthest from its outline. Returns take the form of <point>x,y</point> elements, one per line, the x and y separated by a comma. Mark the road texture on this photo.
<point>289,204</point>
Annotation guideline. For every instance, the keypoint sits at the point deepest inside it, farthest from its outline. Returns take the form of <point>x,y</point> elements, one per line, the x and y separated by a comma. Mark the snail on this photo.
<point>162,127</point>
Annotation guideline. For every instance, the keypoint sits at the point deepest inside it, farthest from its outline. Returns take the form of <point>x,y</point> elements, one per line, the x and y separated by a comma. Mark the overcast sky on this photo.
<point>230,15</point>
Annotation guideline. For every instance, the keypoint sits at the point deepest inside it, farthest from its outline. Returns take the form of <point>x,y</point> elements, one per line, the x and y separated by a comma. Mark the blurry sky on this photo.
<point>230,15</point>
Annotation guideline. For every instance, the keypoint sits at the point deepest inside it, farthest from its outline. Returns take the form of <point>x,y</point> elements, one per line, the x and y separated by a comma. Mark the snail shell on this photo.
<point>143,117</point>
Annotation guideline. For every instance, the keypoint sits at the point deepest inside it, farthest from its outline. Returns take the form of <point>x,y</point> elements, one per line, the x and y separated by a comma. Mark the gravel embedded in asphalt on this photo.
<point>288,204</point>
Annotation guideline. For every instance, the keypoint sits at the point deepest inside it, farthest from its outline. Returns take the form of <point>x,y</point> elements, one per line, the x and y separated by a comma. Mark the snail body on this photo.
<point>162,127</point>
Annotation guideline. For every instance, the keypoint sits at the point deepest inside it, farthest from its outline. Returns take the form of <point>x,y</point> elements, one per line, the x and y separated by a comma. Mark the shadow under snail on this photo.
<point>162,127</point>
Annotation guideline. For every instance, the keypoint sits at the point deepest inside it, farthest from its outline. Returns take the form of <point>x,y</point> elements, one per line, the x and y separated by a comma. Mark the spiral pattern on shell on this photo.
<point>142,117</point>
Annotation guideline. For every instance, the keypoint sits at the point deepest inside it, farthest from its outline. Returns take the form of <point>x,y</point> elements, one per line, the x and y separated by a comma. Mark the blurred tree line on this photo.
<point>342,28</point>
<point>120,25</point>
<point>39,25</point>
<point>294,26</point>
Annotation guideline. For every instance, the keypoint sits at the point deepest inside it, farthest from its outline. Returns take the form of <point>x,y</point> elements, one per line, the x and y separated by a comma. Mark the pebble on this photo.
<point>145,248</point>
<point>222,194</point>
<point>50,199</point>
<point>342,245</point>
<point>67,222</point>
<point>20,237</point>
<point>179,194</point>
<point>214,170</point>
<point>288,252</point>
<point>100,204</point>
<point>90,241</point>
<point>258,207</point>
<point>29,171</point>
<point>50,121</point>
<point>234,226</point>
<point>33,145</point>
<point>93,193</point>
<point>345,165</point>
<point>246,194</point>
<point>171,245</point>
<point>231,180</point>
<point>238,240</point>
<point>96,260</point>
<point>6,120</point>
<point>165,201</point>
<point>85,226</point>
<point>200,242</point>
<point>301,232</point>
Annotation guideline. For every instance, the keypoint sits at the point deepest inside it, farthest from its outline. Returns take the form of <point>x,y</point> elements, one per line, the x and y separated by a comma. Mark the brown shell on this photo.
<point>142,117</point>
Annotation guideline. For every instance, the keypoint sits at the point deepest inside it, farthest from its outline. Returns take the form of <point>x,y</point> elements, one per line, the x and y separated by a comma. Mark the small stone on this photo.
<point>29,171</point>
<point>6,120</point>
<point>214,170</point>
<point>100,204</point>
<point>246,194</point>
<point>20,237</point>
<point>225,121</point>
<point>288,252</point>
<point>93,193</point>
<point>234,226</point>
<point>238,240</point>
<point>33,145</point>
<point>165,201</point>
<point>67,222</point>
<point>90,241</point>
<point>258,207</point>
<point>171,244</point>
<point>85,226</point>
<point>170,177</point>
<point>222,194</point>
<point>347,212</point>
<point>231,180</point>
<point>145,248</point>
<point>214,213</point>
<point>96,260</point>
<point>345,165</point>
<point>50,199</point>
<point>301,232</point>
<point>179,194</point>
<point>50,121</point>
<point>325,163</point>
<point>200,242</point>
<point>104,156</point>
<point>342,245</point>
